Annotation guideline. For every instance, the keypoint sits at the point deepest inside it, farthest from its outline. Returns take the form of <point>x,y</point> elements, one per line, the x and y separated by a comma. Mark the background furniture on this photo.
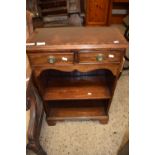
<point>34,106</point>
<point>76,70</point>
<point>126,35</point>
<point>98,12</point>
<point>34,119</point>
<point>120,9</point>
<point>126,23</point>
<point>29,24</point>
<point>55,13</point>
<point>106,12</point>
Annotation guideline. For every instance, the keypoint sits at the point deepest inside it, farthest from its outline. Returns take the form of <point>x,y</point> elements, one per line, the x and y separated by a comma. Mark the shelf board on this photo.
<point>78,113</point>
<point>77,88</point>
<point>52,2</point>
<point>54,9</point>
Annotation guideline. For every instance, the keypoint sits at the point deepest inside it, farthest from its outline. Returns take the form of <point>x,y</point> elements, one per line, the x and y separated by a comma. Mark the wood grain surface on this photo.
<point>76,38</point>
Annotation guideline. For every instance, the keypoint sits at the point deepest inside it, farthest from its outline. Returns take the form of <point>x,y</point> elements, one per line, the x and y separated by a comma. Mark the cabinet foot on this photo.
<point>51,123</point>
<point>103,121</point>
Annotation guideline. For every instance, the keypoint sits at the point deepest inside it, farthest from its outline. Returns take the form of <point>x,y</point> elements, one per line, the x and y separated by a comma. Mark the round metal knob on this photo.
<point>51,59</point>
<point>99,57</point>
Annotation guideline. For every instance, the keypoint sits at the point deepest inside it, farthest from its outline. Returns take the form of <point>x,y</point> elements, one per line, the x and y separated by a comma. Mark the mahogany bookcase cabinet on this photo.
<point>76,70</point>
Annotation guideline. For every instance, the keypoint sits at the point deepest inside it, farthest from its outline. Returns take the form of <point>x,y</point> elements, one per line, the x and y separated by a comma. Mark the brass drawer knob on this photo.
<point>51,59</point>
<point>99,57</point>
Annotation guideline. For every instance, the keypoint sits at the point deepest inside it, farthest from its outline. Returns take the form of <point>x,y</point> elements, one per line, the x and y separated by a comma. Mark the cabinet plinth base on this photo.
<point>52,121</point>
<point>75,114</point>
<point>104,121</point>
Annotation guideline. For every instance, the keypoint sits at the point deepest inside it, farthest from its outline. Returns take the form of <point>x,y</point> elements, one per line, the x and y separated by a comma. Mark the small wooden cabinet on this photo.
<point>98,12</point>
<point>76,70</point>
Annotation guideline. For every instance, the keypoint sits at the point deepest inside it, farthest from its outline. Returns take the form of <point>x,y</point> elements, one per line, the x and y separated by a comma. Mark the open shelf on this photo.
<point>76,95</point>
<point>77,110</point>
<point>76,86</point>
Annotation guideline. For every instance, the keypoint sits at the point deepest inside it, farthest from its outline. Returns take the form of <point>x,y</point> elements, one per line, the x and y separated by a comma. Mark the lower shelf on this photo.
<point>80,112</point>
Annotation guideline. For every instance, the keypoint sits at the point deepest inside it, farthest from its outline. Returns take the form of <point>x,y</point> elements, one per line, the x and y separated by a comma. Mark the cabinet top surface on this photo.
<point>75,38</point>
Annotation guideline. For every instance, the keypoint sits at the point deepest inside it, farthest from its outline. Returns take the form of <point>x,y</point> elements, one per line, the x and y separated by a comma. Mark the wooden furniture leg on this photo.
<point>126,35</point>
<point>52,123</point>
<point>36,116</point>
<point>103,121</point>
<point>36,147</point>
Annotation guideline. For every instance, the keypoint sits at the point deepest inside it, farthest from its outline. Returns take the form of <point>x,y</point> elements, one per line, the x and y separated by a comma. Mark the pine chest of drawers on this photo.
<point>76,70</point>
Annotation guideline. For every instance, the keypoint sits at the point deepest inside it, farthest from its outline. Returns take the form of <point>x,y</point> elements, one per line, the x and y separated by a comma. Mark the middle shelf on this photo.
<point>77,86</point>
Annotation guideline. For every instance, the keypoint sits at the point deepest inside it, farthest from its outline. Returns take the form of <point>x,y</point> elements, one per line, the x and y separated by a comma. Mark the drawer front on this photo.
<point>98,57</point>
<point>51,59</point>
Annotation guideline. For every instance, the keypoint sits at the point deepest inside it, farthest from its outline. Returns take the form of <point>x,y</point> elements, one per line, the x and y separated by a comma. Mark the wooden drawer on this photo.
<point>51,59</point>
<point>99,57</point>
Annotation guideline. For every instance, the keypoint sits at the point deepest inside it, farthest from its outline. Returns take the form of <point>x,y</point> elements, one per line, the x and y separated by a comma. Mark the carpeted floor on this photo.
<point>90,137</point>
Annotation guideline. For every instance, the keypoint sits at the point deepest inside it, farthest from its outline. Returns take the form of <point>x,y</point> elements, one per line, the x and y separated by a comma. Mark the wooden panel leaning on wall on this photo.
<point>98,12</point>
<point>34,105</point>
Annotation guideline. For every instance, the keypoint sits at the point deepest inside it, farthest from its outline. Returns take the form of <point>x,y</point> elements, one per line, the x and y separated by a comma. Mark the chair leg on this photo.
<point>126,59</point>
<point>36,147</point>
<point>36,114</point>
<point>126,34</point>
